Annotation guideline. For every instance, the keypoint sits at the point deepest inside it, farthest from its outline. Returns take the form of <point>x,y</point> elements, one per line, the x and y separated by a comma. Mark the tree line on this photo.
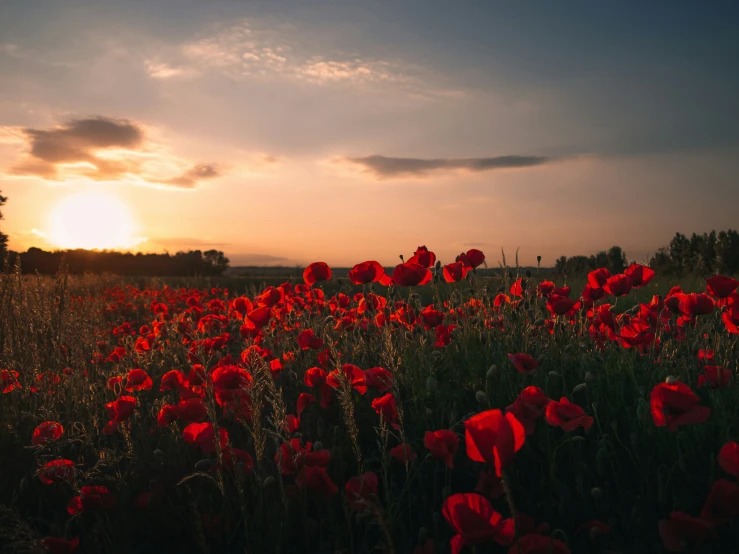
<point>704,254</point>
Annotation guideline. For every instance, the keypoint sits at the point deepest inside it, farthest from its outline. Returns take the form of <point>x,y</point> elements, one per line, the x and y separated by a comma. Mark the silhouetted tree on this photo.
<point>3,236</point>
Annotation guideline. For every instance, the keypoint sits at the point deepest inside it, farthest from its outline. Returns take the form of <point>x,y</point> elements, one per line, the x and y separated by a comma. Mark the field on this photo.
<point>432,410</point>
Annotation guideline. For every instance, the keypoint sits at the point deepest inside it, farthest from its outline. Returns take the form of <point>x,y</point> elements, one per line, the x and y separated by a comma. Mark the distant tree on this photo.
<point>217,262</point>
<point>616,259</point>
<point>3,236</point>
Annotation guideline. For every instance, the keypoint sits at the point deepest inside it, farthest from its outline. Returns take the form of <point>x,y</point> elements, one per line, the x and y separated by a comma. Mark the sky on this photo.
<point>285,132</point>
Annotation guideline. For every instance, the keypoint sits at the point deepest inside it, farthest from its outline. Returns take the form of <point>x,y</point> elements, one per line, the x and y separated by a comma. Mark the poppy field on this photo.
<point>422,409</point>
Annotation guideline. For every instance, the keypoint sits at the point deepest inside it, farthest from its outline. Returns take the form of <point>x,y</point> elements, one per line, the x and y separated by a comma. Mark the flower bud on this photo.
<point>580,387</point>
<point>596,493</point>
<point>481,397</point>
<point>671,380</point>
<point>492,371</point>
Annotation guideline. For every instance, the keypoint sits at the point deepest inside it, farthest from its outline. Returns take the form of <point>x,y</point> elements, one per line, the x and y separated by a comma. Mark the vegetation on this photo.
<point>501,416</point>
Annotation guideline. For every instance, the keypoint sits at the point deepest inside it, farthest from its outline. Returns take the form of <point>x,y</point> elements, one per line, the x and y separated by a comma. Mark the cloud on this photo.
<point>102,149</point>
<point>185,242</point>
<point>257,259</point>
<point>385,167</point>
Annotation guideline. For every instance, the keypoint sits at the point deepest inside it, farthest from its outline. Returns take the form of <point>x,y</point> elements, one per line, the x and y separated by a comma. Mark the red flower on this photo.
<point>314,377</point>
<point>528,407</point>
<point>545,288</point>
<point>138,379</point>
<point>682,532</point>
<point>172,380</point>
<point>191,410</point>
<point>316,478</point>
<point>590,294</point>
<point>501,299</point>
<point>423,257</point>
<point>9,380</point>
<point>453,273</point>
<point>59,545</point>
<point>472,259</point>
<point>308,340</point>
<point>517,288</point>
<point>535,543</point>
<point>493,438</point>
<point>523,362</point>
<point>598,278</point>
<point>716,376</point>
<point>47,432</point>
<point>636,335</point>
<point>728,458</point>
<point>722,504</point>
<point>57,470</point>
<point>443,334</point>
<point>368,272</point>
<point>411,274</point>
<point>618,285</point>
<point>567,416</point>
<point>91,498</point>
<point>720,286</point>
<point>360,490</point>
<point>386,408</point>
<point>317,271</point>
<point>259,318</point>
<point>202,435</point>
<point>378,378</point>
<point>403,453</point>
<point>231,377</point>
<point>443,444</point>
<point>731,319</point>
<point>640,275</point>
<point>694,304</point>
<point>353,375</point>
<point>560,305</point>
<point>489,484</point>
<point>304,400</point>
<point>675,404</point>
<point>475,521</point>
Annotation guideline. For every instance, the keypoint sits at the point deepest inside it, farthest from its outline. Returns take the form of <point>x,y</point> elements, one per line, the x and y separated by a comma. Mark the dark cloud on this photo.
<point>80,146</point>
<point>190,178</point>
<point>384,166</point>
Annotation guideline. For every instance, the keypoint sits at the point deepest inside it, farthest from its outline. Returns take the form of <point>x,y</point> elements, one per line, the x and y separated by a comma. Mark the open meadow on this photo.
<point>428,410</point>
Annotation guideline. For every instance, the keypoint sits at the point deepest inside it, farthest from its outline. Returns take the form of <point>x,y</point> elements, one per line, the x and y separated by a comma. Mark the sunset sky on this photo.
<point>284,132</point>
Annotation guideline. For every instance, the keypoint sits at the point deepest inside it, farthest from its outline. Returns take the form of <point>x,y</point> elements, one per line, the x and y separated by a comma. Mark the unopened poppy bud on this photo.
<point>539,322</point>
<point>531,314</point>
<point>528,273</point>
<point>401,258</point>
<point>204,465</point>
<point>614,425</point>
<point>492,371</point>
<point>158,453</point>
<point>671,380</point>
<point>596,493</point>
<point>523,284</point>
<point>580,387</point>
<point>446,492</point>
<point>438,265</point>
<point>268,481</point>
<point>481,397</point>
<point>589,377</point>
<point>317,446</point>
<point>501,289</point>
<point>540,359</point>
<point>538,259</point>
<point>526,305</point>
<point>429,412</point>
<point>431,384</point>
<point>436,353</point>
<point>553,374</point>
<point>422,535</point>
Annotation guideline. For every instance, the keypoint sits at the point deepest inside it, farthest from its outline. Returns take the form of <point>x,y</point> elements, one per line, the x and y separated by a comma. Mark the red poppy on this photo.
<point>545,288</point>
<point>598,278</point>
<point>675,404</point>
<point>202,435</point>
<point>353,375</point>
<point>590,294</point>
<point>443,335</point>
<point>640,275</point>
<point>501,299</point>
<point>722,504</point>
<point>423,257</point>
<point>378,378</point>
<point>728,458</point>
<point>523,362</point>
<point>694,304</point>
<point>730,318</point>
<point>191,410</point>
<point>137,379</point>
<point>489,484</point>
<point>493,438</point>
<point>443,444</point>
<point>715,376</point>
<point>475,521</point>
<point>9,380</point>
<point>720,286</point>
<point>534,543</point>
<point>316,478</point>
<point>367,272</point>
<point>91,498</point>
<point>314,377</point>
<point>315,272</point>
<point>562,291</point>
<point>403,453</point>
<point>618,285</point>
<point>307,340</point>
<point>517,288</point>
<point>47,432</point>
<point>560,305</point>
<point>636,335</point>
<point>231,377</point>
<point>59,545</point>
<point>172,380</point>
<point>386,408</point>
<point>454,273</point>
<point>411,274</point>
<point>304,400</point>
<point>567,416</point>
<point>360,490</point>
<point>259,317</point>
<point>472,259</point>
<point>57,470</point>
<point>528,407</point>
<point>683,533</point>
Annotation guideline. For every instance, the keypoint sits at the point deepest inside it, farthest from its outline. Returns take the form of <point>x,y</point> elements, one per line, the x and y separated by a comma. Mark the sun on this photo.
<point>91,220</point>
